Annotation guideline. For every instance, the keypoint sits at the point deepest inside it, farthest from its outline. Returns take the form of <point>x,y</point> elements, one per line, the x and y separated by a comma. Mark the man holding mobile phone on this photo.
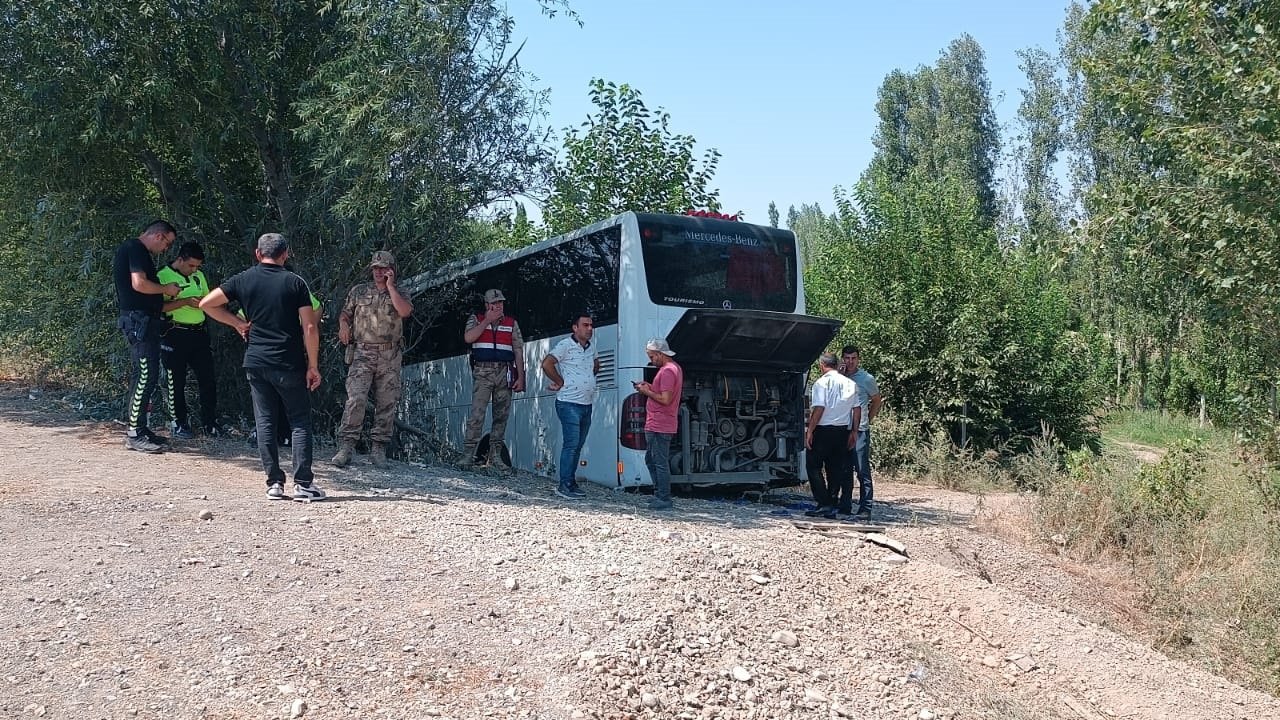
<point>497,348</point>
<point>372,325</point>
<point>662,412</point>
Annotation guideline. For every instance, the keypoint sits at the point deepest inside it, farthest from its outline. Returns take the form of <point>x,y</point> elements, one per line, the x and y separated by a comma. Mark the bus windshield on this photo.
<point>696,262</point>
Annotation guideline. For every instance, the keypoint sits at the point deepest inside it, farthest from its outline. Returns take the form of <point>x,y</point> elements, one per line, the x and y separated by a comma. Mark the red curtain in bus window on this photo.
<point>755,272</point>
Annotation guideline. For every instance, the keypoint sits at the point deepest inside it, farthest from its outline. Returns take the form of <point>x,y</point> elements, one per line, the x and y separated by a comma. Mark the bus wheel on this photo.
<point>482,452</point>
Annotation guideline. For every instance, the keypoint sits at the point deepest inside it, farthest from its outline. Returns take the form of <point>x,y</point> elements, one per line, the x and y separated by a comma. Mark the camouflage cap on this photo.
<point>383,258</point>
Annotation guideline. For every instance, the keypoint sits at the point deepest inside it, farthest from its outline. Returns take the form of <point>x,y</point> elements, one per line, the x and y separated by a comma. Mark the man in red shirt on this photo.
<point>662,412</point>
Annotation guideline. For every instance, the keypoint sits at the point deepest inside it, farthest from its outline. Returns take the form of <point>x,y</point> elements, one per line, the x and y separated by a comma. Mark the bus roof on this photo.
<point>489,258</point>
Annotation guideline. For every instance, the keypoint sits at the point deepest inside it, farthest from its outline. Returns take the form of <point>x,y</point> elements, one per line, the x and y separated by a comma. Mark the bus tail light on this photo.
<point>632,425</point>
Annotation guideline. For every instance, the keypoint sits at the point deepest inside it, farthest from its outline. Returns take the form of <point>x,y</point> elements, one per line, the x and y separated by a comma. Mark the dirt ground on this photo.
<point>425,591</point>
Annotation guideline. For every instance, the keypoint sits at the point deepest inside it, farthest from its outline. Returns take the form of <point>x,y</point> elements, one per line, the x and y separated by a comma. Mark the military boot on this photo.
<point>496,462</point>
<point>343,457</point>
<point>468,458</point>
<point>379,455</point>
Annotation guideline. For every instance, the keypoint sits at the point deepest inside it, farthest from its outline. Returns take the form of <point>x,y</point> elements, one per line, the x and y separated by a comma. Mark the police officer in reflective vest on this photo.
<point>371,326</point>
<point>497,370</point>
<point>185,343</point>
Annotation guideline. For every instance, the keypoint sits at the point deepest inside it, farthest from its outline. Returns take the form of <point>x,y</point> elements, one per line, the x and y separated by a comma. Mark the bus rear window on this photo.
<point>719,264</point>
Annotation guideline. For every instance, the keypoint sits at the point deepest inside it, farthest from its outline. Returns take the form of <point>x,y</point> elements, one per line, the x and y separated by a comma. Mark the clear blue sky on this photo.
<point>785,91</point>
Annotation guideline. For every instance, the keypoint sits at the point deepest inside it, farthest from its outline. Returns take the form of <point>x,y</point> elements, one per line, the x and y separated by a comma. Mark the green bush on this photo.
<point>1173,488</point>
<point>895,441</point>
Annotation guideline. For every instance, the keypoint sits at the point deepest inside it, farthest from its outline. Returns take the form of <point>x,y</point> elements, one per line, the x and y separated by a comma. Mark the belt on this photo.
<point>376,346</point>
<point>189,326</point>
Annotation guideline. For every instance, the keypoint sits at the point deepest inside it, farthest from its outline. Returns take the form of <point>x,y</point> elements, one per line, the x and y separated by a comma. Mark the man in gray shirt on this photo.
<point>860,452</point>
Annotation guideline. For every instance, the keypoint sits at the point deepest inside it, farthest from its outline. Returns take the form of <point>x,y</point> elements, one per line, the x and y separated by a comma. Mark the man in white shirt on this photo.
<point>834,412</point>
<point>571,367</point>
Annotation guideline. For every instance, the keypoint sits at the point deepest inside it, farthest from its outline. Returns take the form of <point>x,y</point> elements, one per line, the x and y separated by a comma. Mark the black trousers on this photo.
<point>830,457</point>
<point>271,390</point>
<point>142,333</point>
<point>183,348</point>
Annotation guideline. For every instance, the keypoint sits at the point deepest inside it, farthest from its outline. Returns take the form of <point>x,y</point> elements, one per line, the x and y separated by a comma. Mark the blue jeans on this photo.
<point>271,391</point>
<point>860,461</point>
<point>658,459</point>
<point>575,421</point>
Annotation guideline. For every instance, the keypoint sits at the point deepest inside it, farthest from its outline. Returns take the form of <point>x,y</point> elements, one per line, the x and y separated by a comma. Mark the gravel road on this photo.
<point>167,586</point>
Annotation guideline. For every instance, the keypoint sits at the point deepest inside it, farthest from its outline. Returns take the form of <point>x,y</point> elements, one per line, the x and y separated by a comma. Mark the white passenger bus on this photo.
<point>728,297</point>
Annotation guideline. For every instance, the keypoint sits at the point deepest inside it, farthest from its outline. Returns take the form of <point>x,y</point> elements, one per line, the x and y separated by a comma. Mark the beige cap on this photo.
<point>494,295</point>
<point>383,258</point>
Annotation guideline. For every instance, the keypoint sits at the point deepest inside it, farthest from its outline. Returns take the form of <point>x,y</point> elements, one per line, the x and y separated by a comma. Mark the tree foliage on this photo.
<point>1038,146</point>
<point>349,126</point>
<point>1177,148</point>
<point>626,157</point>
<point>956,331</point>
<point>938,122</point>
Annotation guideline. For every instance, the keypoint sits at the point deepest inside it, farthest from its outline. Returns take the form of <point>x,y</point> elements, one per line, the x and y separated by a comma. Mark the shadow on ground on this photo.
<point>441,483</point>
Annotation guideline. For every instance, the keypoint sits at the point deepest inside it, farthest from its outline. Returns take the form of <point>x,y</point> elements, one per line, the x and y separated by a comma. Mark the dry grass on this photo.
<point>1197,534</point>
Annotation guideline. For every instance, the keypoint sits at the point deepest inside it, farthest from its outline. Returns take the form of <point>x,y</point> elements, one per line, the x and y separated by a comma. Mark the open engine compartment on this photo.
<point>738,427</point>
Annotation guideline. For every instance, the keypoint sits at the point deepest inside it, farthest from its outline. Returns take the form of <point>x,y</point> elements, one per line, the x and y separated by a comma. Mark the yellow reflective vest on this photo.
<point>195,286</point>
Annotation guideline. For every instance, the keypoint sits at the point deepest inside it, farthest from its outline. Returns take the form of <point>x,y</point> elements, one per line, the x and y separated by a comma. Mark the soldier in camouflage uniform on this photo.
<point>371,326</point>
<point>497,370</point>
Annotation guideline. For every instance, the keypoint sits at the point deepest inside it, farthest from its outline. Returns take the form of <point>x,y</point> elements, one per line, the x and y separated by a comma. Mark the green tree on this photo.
<point>349,127</point>
<point>1038,146</point>
<point>938,122</point>
<point>626,157</point>
<point>1173,153</point>
<point>956,331</point>
<point>814,229</point>
<point>773,214</point>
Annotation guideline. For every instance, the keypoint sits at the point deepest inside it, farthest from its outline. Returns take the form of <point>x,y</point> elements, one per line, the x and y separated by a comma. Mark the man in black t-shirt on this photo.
<point>282,361</point>
<point>141,296</point>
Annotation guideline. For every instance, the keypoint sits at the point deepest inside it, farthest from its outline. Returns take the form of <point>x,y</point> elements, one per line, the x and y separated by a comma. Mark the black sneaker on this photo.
<point>577,492</point>
<point>142,443</point>
<point>157,439</point>
<point>182,432</point>
<point>567,494</point>
<point>831,514</point>
<point>819,511</point>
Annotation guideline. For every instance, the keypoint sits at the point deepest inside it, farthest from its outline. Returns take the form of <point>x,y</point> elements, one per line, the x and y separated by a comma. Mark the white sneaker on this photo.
<point>307,493</point>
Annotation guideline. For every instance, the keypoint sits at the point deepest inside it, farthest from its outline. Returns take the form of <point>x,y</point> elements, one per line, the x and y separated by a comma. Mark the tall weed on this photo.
<point>1197,528</point>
